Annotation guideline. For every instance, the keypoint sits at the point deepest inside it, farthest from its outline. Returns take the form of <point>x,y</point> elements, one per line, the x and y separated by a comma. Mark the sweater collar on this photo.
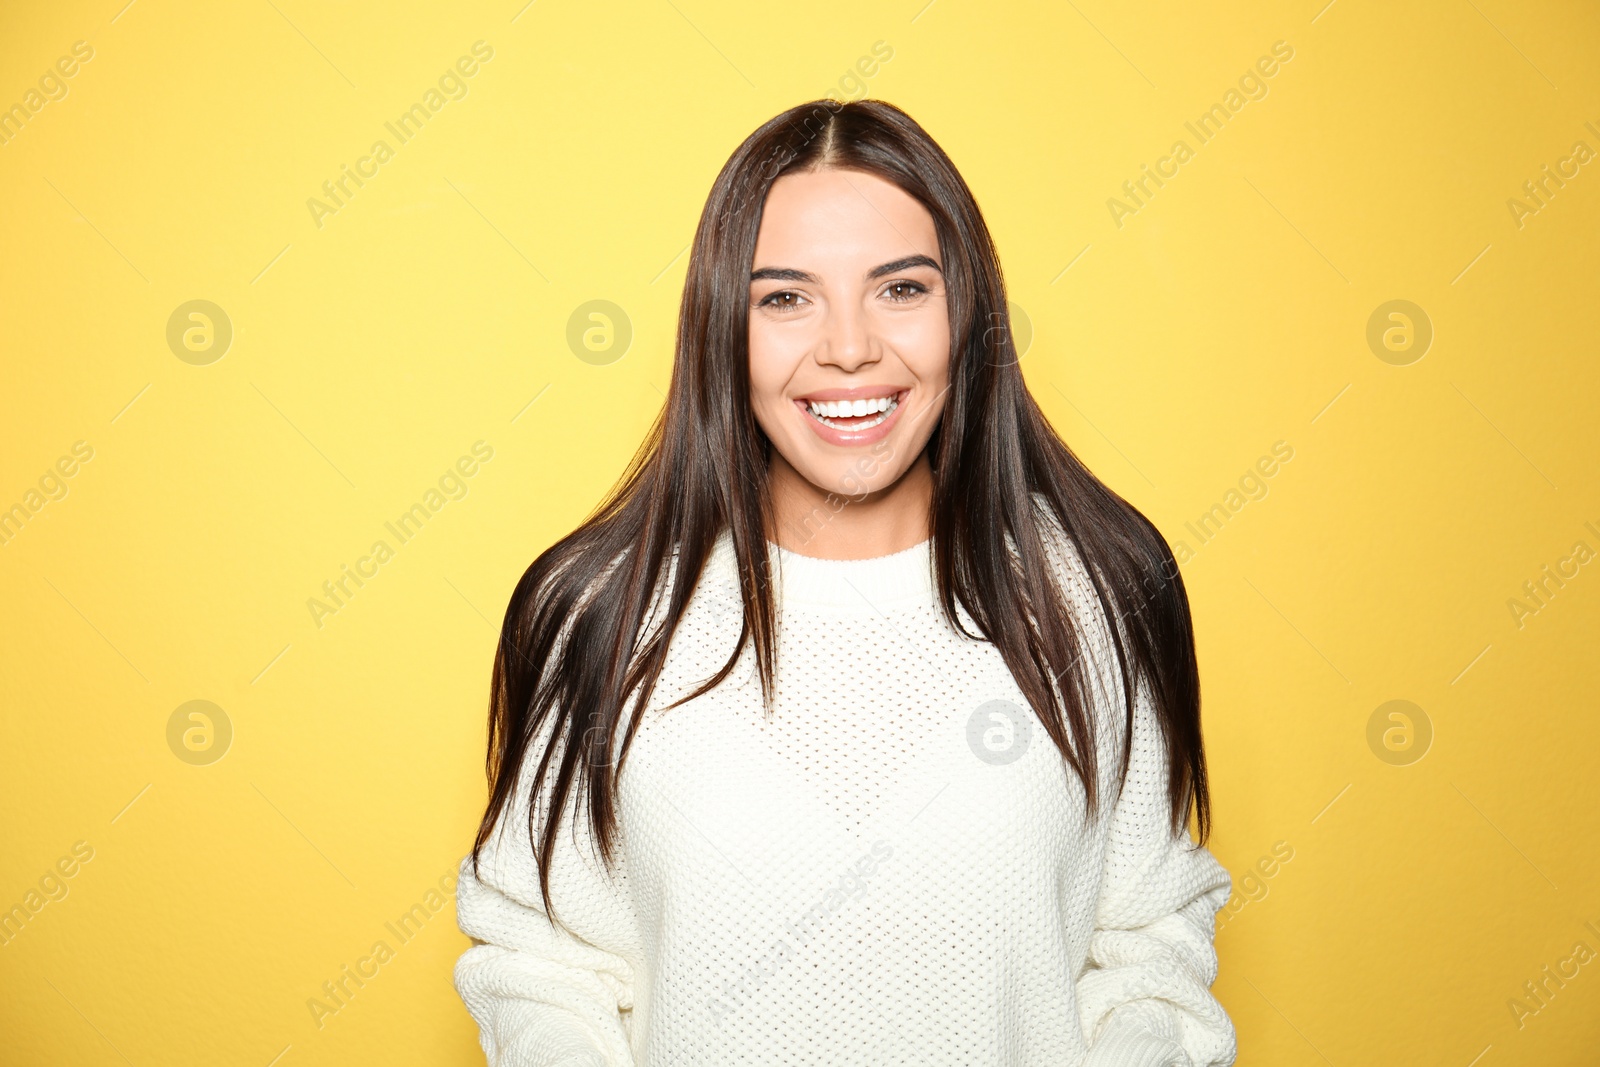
<point>899,580</point>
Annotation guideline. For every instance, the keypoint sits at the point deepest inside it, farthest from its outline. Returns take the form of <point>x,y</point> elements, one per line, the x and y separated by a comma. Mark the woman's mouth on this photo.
<point>855,420</point>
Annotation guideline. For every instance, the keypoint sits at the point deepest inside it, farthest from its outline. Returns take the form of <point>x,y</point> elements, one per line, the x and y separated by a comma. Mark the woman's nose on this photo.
<point>847,339</point>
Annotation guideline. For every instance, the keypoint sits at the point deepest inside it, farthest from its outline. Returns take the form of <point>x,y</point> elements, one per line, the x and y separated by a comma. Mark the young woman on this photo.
<point>815,744</point>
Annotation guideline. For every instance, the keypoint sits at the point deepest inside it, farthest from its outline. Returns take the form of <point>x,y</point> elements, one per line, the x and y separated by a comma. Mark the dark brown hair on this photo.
<point>575,644</point>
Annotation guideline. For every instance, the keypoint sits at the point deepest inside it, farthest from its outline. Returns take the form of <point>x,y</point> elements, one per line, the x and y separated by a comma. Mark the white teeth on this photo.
<point>824,410</point>
<point>838,409</point>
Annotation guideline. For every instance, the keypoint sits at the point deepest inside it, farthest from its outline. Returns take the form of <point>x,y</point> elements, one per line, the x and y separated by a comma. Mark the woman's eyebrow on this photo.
<point>789,274</point>
<point>904,264</point>
<point>782,274</point>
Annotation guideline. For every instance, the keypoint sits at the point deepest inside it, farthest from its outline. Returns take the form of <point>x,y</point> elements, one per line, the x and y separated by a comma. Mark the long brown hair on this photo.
<point>576,642</point>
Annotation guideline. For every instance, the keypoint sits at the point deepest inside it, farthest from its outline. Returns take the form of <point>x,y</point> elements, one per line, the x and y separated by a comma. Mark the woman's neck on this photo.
<point>812,521</point>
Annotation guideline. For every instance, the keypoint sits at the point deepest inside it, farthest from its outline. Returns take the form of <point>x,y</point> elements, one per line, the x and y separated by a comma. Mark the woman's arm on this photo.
<point>541,996</point>
<point>1145,1000</point>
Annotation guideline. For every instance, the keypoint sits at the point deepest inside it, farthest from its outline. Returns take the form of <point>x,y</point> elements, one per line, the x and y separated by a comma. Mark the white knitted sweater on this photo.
<point>893,869</point>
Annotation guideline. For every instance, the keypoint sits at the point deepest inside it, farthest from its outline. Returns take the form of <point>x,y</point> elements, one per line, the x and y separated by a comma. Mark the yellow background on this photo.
<point>1227,314</point>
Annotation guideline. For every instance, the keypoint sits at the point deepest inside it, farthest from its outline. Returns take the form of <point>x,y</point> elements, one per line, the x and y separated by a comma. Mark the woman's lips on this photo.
<point>843,435</point>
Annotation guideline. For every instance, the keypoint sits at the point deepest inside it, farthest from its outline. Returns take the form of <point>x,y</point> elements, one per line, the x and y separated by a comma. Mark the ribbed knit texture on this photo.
<point>893,869</point>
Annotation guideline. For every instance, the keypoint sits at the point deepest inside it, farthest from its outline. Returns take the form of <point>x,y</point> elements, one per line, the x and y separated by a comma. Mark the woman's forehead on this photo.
<point>842,216</point>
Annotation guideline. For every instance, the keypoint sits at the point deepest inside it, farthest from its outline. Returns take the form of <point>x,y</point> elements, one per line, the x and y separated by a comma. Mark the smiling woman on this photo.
<point>940,814</point>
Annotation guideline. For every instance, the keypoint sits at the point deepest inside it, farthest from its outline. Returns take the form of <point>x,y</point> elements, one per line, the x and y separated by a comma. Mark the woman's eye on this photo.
<point>900,292</point>
<point>783,300</point>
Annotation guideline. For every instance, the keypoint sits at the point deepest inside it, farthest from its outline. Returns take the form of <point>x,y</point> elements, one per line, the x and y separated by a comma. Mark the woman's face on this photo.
<point>849,331</point>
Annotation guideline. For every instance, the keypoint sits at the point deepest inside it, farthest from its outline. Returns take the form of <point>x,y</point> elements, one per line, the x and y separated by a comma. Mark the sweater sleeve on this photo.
<point>541,995</point>
<point>1145,999</point>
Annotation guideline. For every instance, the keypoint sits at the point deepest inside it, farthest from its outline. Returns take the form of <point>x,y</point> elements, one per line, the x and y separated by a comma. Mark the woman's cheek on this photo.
<point>771,370</point>
<point>777,349</point>
<point>924,344</point>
